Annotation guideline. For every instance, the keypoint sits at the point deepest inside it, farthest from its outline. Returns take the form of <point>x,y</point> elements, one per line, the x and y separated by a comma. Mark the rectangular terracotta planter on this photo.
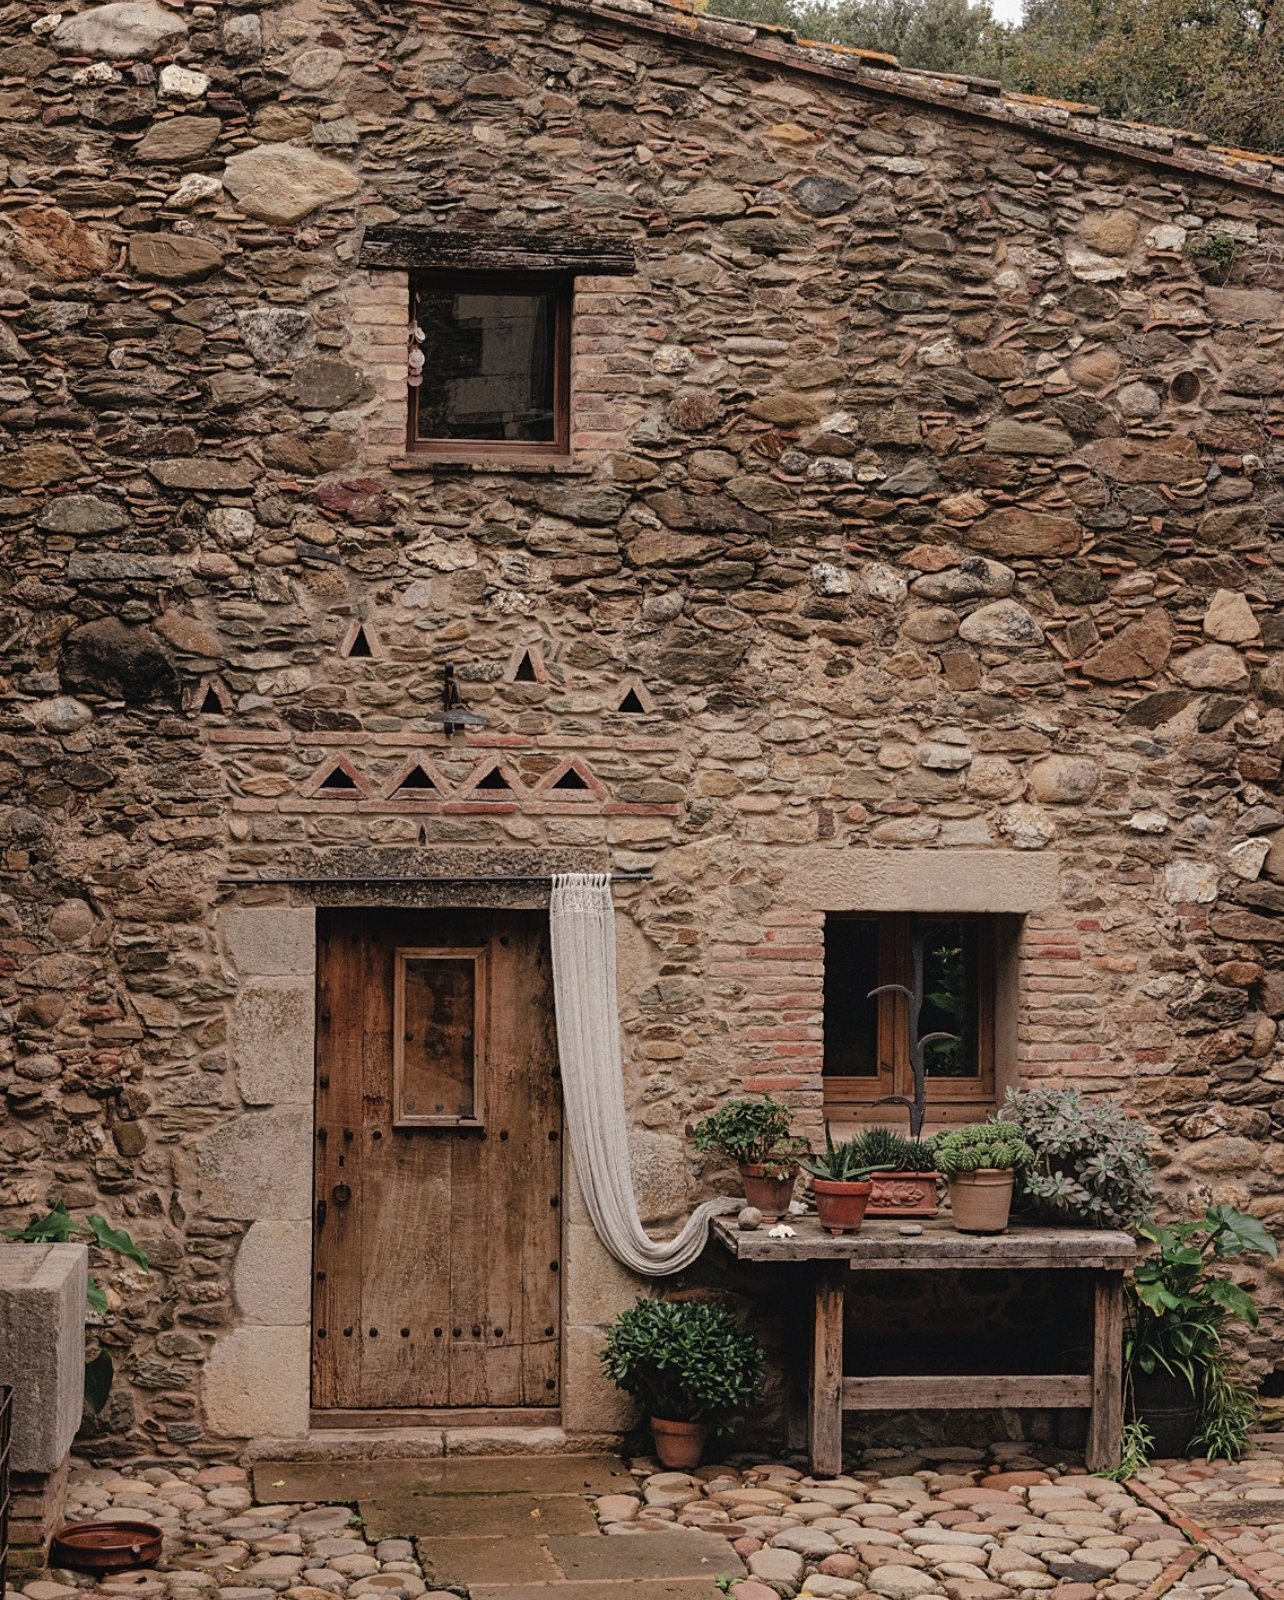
<point>903,1194</point>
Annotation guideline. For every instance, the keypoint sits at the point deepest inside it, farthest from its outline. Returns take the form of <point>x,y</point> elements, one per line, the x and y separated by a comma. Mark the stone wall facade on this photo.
<point>926,506</point>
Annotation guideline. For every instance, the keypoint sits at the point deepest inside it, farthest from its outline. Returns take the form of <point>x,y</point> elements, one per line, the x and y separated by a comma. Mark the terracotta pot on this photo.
<point>679,1445</point>
<point>903,1194</point>
<point>770,1195</point>
<point>980,1201</point>
<point>841,1206</point>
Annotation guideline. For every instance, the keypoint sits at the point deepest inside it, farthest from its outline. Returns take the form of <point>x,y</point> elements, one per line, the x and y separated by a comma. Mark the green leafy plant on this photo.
<point>892,1152</point>
<point>752,1132</point>
<point>1135,1445</point>
<point>982,1145</point>
<point>60,1227</point>
<point>684,1360</point>
<point>842,1163</point>
<point>1090,1158</point>
<point>1217,250</point>
<point>1179,1311</point>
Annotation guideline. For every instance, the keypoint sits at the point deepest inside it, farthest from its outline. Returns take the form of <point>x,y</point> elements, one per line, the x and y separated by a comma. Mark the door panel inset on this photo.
<point>438,1162</point>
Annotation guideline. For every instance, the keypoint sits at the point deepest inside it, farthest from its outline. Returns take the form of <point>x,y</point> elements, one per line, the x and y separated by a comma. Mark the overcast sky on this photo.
<point>1007,10</point>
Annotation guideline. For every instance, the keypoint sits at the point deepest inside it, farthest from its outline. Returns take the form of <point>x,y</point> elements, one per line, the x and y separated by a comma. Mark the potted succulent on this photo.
<point>1090,1158</point>
<point>689,1364</point>
<point>908,1187</point>
<point>981,1161</point>
<point>755,1135</point>
<point>841,1184</point>
<point>1180,1385</point>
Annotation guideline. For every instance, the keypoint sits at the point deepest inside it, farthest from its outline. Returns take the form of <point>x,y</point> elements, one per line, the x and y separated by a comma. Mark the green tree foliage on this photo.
<point>1212,66</point>
<point>941,35</point>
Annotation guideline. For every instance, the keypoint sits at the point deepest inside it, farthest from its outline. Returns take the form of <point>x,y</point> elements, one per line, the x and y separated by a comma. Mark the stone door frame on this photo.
<point>256,1168</point>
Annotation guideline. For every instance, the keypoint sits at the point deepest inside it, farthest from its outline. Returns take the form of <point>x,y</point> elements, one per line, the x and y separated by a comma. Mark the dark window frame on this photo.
<point>948,1099</point>
<point>561,288</point>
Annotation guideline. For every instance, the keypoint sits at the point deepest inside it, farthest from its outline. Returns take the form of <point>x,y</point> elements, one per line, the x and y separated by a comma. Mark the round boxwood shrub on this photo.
<point>684,1360</point>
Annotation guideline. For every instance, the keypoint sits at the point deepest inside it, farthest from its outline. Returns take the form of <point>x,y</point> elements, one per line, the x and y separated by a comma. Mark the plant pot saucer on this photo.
<point>106,1546</point>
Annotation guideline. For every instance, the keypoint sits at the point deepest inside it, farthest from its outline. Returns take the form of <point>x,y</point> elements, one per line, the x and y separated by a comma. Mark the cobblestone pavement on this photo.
<point>965,1525</point>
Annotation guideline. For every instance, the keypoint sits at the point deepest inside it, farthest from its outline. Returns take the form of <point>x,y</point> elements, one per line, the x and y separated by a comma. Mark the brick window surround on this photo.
<point>600,417</point>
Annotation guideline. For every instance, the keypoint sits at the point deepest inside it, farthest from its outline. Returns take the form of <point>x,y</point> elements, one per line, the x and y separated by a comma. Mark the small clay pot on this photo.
<point>980,1201</point>
<point>106,1546</point>
<point>768,1194</point>
<point>903,1194</point>
<point>679,1445</point>
<point>841,1206</point>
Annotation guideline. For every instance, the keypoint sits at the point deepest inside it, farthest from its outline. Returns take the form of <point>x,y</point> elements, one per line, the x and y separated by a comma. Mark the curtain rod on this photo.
<point>542,877</point>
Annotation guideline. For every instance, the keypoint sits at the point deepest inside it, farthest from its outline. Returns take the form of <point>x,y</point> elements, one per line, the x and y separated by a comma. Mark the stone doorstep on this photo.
<point>286,1481</point>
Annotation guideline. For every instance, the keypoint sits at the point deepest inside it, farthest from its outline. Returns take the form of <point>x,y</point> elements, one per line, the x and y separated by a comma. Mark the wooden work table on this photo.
<point>880,1246</point>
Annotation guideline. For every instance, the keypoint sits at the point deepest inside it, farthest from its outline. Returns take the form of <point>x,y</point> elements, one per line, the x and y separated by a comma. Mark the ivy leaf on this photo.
<point>97,1297</point>
<point>115,1239</point>
<point>56,1228</point>
<point>1234,1231</point>
<point>1233,1298</point>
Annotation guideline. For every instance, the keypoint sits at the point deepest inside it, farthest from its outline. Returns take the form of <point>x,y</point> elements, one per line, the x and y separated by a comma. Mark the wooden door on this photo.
<point>437,1221</point>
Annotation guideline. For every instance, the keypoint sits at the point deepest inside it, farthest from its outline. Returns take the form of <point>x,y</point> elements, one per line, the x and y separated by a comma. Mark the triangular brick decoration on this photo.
<point>634,701</point>
<point>337,779</point>
<point>572,780</point>
<point>526,665</point>
<point>494,781</point>
<point>360,643</point>
<point>415,781</point>
<point>211,698</point>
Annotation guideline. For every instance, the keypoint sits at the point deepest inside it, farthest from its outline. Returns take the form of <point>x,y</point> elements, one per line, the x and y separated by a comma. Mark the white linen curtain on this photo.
<point>582,926</point>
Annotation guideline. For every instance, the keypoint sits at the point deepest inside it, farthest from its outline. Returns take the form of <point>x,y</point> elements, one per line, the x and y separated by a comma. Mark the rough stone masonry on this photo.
<point>924,526</point>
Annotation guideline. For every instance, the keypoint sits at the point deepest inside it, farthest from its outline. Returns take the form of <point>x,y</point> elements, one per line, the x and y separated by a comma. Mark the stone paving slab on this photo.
<point>464,1516</point>
<point>502,1559</point>
<point>609,1589</point>
<point>656,1555</point>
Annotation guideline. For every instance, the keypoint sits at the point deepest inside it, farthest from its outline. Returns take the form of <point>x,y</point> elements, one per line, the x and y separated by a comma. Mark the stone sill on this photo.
<point>530,466</point>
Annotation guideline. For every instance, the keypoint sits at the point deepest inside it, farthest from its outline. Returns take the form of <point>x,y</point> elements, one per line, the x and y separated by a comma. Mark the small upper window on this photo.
<point>496,364</point>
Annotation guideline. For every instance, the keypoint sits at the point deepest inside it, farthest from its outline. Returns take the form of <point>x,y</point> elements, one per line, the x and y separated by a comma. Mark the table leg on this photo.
<point>826,1430</point>
<point>1105,1421</point>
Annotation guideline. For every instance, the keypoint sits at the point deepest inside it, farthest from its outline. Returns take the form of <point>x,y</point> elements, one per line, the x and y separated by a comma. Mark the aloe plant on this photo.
<point>843,1162</point>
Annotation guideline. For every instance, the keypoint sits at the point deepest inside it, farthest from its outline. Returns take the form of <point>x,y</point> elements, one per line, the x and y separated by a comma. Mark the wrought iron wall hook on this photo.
<point>917,1107</point>
<point>454,715</point>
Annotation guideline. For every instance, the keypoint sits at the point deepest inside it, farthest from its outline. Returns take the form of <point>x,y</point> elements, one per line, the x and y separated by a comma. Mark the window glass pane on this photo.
<point>437,1033</point>
<point>488,366</point>
<point>951,994</point>
<point>851,1018</point>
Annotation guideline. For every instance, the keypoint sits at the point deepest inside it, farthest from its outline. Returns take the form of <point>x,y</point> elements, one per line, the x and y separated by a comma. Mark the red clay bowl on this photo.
<point>106,1546</point>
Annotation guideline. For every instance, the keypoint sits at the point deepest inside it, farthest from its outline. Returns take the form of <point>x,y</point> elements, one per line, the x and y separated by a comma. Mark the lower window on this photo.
<point>867,1036</point>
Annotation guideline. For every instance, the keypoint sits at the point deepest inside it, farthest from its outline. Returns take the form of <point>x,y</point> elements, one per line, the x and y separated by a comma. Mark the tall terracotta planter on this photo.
<point>903,1194</point>
<point>679,1445</point>
<point>980,1201</point>
<point>770,1194</point>
<point>841,1206</point>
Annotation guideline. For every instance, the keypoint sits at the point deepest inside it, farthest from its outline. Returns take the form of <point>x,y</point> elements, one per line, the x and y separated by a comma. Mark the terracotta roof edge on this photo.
<point>779,48</point>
